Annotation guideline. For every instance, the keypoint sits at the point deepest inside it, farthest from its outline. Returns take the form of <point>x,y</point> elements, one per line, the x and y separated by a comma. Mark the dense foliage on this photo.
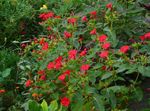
<point>75,55</point>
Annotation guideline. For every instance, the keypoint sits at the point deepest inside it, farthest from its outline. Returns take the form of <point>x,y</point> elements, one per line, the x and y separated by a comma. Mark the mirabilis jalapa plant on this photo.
<point>79,64</point>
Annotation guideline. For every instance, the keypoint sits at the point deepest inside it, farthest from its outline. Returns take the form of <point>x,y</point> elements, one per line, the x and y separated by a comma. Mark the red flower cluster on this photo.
<point>93,14</point>
<point>84,67</point>
<point>106,45</point>
<point>104,54</point>
<point>45,16</point>
<point>67,34</point>
<point>72,21</point>
<point>124,48</point>
<point>45,46</point>
<point>63,75</point>
<point>42,74</point>
<point>65,101</point>
<point>145,36</point>
<point>109,6</point>
<point>93,32</point>
<point>83,53</point>
<point>2,91</point>
<point>56,64</point>
<point>72,54</point>
<point>28,83</point>
<point>102,38</point>
<point>84,19</point>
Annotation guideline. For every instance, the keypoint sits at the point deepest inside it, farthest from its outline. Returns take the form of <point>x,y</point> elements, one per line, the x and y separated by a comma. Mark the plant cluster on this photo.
<point>90,58</point>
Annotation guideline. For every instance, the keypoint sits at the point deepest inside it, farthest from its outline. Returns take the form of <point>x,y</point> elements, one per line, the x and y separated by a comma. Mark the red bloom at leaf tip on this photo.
<point>93,14</point>
<point>67,34</point>
<point>93,32</point>
<point>72,21</point>
<point>67,72</point>
<point>28,83</point>
<point>102,38</point>
<point>43,77</point>
<point>65,101</point>
<point>84,19</point>
<point>62,77</point>
<point>124,48</point>
<point>41,72</point>
<point>109,5</point>
<point>106,45</point>
<point>147,35</point>
<point>48,28</point>
<point>72,54</point>
<point>104,54</point>
<point>83,53</point>
<point>45,46</point>
<point>84,67</point>
<point>50,66</point>
<point>2,91</point>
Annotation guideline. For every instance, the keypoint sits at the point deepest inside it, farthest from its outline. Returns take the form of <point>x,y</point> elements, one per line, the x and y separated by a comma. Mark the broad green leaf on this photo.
<point>98,103</point>
<point>6,72</point>
<point>145,71</point>
<point>44,105</point>
<point>106,76</point>
<point>53,106</point>
<point>34,106</point>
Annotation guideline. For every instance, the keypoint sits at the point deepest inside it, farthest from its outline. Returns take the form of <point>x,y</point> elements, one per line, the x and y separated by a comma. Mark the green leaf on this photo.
<point>34,106</point>
<point>53,106</point>
<point>145,71</point>
<point>44,106</point>
<point>106,76</point>
<point>98,102</point>
<point>6,72</point>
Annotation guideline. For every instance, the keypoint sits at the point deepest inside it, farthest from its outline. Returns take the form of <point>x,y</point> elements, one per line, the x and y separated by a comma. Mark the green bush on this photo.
<point>12,14</point>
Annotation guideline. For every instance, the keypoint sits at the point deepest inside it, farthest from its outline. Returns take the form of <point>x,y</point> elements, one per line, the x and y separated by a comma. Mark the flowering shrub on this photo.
<point>85,59</point>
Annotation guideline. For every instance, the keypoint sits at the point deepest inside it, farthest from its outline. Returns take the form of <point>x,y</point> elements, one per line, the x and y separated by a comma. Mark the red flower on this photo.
<point>72,21</point>
<point>58,65</point>
<point>2,91</point>
<point>43,77</point>
<point>45,16</point>
<point>142,38</point>
<point>59,59</point>
<point>147,35</point>
<point>67,72</point>
<point>50,66</point>
<point>72,54</point>
<point>42,41</point>
<point>84,19</point>
<point>106,45</point>
<point>93,14</point>
<point>84,67</point>
<point>102,38</point>
<point>48,28</point>
<point>124,48</point>
<point>104,54</point>
<point>65,101</point>
<point>28,83</point>
<point>23,45</point>
<point>109,6</point>
<point>67,34</point>
<point>62,77</point>
<point>41,72</point>
<point>83,53</point>
<point>45,46</point>
<point>93,32</point>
